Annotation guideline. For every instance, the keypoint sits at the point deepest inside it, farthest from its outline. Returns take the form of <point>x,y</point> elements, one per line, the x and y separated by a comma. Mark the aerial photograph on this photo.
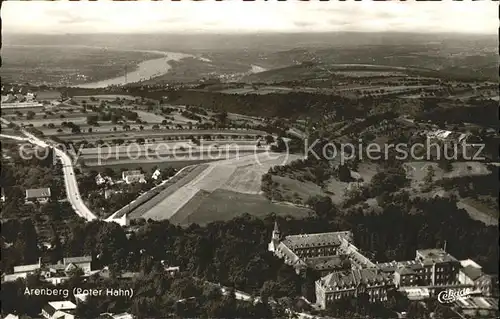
<point>249,159</point>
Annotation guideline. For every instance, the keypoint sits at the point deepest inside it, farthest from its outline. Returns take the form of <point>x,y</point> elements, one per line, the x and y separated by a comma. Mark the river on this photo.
<point>145,70</point>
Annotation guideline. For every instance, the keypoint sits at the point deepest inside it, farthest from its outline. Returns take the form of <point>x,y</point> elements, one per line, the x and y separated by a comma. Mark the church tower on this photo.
<point>275,239</point>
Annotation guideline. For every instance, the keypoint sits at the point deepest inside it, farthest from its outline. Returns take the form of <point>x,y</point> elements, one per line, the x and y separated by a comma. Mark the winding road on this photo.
<point>72,191</point>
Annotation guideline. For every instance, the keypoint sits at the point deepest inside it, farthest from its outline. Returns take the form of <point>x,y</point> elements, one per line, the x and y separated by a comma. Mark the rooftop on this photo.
<point>288,253</point>
<point>347,279</point>
<point>134,178</point>
<point>405,271</point>
<point>315,240</point>
<point>131,173</point>
<point>14,277</point>
<point>124,315</point>
<point>469,262</point>
<point>477,303</point>
<point>416,293</point>
<point>77,260</point>
<point>435,255</point>
<point>327,263</point>
<point>62,305</point>
<point>38,193</point>
<point>472,272</point>
<point>395,265</point>
<point>26,268</point>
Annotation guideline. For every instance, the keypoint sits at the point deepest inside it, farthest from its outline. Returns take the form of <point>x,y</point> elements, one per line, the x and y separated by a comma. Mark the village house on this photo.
<point>59,309</point>
<point>448,136</point>
<point>41,195</point>
<point>60,272</point>
<point>156,174</point>
<point>110,192</point>
<point>171,270</point>
<point>99,179</point>
<point>135,176</point>
<point>56,273</point>
<point>83,262</point>
<point>23,271</point>
<point>124,276</point>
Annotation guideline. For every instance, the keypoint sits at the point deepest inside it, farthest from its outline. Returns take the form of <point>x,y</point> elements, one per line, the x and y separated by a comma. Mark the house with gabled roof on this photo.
<point>59,310</point>
<point>41,195</point>
<point>135,176</point>
<point>82,262</point>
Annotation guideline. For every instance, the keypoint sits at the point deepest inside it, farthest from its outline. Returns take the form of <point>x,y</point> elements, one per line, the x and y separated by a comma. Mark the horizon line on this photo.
<point>249,32</point>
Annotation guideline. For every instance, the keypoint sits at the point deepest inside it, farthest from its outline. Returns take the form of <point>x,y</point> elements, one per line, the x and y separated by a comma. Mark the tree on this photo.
<point>281,145</point>
<point>445,165</point>
<point>322,205</point>
<point>92,120</point>
<point>429,177</point>
<point>269,289</point>
<point>344,173</point>
<point>30,115</point>
<point>269,139</point>
<point>221,118</point>
<point>89,308</point>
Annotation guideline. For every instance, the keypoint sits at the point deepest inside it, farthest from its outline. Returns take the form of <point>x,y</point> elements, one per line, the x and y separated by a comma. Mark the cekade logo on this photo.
<point>451,295</point>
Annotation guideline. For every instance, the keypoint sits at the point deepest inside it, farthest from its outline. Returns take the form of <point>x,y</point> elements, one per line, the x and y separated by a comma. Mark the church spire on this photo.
<point>275,239</point>
<point>276,228</point>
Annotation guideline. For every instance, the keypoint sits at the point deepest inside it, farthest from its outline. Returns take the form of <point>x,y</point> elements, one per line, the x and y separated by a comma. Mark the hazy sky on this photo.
<point>239,16</point>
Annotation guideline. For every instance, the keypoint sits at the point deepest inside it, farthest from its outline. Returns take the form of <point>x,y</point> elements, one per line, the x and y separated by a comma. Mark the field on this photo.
<point>167,152</point>
<point>296,191</point>
<point>158,133</point>
<point>170,187</point>
<point>479,211</point>
<point>418,170</point>
<point>145,165</point>
<point>222,204</point>
<point>171,160</point>
<point>104,97</point>
<point>150,117</point>
<point>239,175</point>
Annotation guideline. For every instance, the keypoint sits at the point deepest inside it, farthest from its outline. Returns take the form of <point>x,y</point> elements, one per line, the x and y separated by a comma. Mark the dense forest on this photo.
<point>234,253</point>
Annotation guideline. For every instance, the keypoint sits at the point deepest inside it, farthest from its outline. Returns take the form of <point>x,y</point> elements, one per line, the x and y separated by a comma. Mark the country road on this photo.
<point>72,191</point>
